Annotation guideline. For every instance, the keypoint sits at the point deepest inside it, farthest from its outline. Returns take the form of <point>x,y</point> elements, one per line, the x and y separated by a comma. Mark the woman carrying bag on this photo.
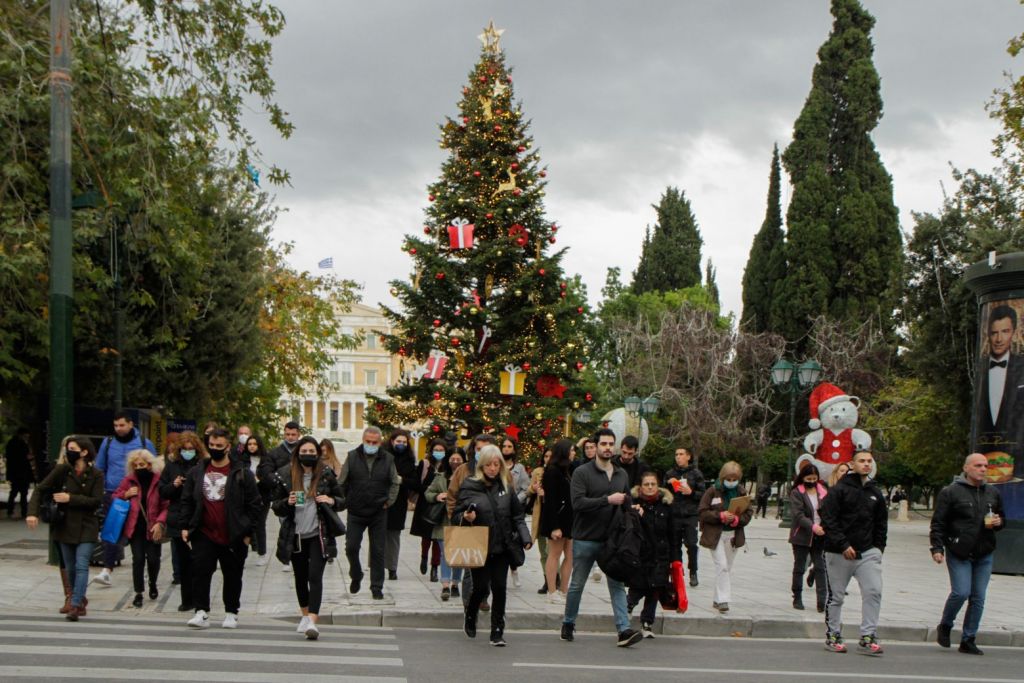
<point>77,490</point>
<point>488,499</point>
<point>721,530</point>
<point>146,525</point>
<point>183,456</point>
<point>435,495</point>
<point>307,497</point>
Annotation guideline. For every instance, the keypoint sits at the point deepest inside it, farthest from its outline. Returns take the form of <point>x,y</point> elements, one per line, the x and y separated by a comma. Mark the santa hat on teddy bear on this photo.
<point>823,396</point>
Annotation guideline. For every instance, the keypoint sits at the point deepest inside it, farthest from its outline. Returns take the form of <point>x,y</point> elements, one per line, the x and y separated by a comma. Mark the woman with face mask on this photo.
<point>254,451</point>
<point>807,535</point>
<point>721,530</point>
<point>437,493</point>
<point>146,524</point>
<point>426,471</point>
<point>305,536</point>
<point>77,487</point>
<point>183,456</point>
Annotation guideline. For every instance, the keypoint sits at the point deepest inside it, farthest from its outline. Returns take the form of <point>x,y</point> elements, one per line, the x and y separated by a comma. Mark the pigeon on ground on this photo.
<point>769,553</point>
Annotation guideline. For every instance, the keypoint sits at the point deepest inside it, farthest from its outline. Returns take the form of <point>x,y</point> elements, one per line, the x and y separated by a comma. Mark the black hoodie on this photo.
<point>854,515</point>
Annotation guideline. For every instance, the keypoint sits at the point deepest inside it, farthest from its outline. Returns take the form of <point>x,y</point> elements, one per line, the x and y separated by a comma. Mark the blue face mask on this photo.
<point>730,484</point>
<point>188,455</point>
<point>438,455</point>
<point>399,447</point>
<point>370,450</point>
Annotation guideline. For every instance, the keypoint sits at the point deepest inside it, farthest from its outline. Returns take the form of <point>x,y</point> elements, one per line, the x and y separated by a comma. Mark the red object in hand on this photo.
<point>676,486</point>
<point>679,584</point>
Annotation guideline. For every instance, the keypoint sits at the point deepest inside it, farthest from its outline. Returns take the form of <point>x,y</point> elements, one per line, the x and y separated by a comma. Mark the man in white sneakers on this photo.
<point>220,507</point>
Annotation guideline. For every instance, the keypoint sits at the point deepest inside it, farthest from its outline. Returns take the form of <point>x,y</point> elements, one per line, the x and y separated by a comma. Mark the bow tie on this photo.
<point>996,364</point>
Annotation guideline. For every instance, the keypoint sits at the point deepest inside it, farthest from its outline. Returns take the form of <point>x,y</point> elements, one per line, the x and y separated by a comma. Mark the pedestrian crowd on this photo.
<point>595,515</point>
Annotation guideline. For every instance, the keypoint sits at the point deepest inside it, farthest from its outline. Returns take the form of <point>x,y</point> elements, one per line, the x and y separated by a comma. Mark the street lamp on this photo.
<point>793,380</point>
<point>638,408</point>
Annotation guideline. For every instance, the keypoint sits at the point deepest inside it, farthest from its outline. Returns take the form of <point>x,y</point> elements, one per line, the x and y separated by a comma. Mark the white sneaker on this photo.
<point>103,578</point>
<point>516,583</point>
<point>312,632</point>
<point>556,598</point>
<point>261,560</point>
<point>230,621</point>
<point>286,568</point>
<point>596,576</point>
<point>199,620</point>
<point>303,623</point>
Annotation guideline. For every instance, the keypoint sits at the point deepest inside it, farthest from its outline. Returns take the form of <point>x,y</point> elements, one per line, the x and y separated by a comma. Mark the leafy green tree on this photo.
<point>501,303</point>
<point>766,265</point>
<point>843,247</point>
<point>670,258</point>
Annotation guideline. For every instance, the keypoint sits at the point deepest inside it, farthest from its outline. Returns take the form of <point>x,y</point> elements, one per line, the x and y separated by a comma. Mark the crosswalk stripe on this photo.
<point>295,641</point>
<point>169,625</point>
<point>221,655</point>
<point>50,672</point>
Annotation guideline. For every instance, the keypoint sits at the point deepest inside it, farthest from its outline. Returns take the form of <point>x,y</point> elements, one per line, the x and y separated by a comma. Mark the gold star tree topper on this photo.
<point>491,38</point>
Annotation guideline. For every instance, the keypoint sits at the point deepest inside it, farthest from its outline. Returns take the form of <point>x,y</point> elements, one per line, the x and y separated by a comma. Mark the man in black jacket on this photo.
<point>688,487</point>
<point>277,458</point>
<point>220,506</point>
<point>370,482</point>
<point>968,512</point>
<point>597,489</point>
<point>629,461</point>
<point>856,521</point>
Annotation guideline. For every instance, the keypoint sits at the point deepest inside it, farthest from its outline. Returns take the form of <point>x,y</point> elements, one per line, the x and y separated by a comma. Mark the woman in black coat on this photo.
<point>807,535</point>
<point>556,518</point>
<point>419,482</point>
<point>308,526</point>
<point>183,456</point>
<point>661,547</point>
<point>405,465</point>
<point>488,499</point>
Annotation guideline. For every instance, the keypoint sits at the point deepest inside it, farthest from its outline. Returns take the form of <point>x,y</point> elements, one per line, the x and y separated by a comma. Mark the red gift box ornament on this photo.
<point>435,364</point>
<point>460,234</point>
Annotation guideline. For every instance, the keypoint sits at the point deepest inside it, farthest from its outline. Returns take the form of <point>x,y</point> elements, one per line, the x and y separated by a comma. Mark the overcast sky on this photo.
<point>626,98</point>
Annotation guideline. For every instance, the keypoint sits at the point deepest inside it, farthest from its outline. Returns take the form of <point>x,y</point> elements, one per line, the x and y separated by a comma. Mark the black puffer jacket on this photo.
<point>327,486</point>
<point>661,538</point>
<point>243,504</point>
<point>958,525</point>
<point>686,506</point>
<point>178,467</point>
<point>269,465</point>
<point>509,533</point>
<point>854,515</point>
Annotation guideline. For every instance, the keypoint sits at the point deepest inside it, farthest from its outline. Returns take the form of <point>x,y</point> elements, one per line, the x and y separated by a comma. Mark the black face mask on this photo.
<point>73,457</point>
<point>308,460</point>
<point>217,454</point>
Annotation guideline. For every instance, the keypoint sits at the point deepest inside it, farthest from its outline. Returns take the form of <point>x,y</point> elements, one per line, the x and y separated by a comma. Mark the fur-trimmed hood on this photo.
<point>666,495</point>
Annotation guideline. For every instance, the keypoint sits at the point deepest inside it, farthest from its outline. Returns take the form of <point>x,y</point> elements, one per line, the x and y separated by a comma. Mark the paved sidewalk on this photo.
<point>915,588</point>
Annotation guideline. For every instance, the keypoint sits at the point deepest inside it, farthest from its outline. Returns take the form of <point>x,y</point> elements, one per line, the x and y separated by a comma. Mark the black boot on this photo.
<point>968,647</point>
<point>469,625</point>
<point>543,589</point>
<point>433,574</point>
<point>798,602</point>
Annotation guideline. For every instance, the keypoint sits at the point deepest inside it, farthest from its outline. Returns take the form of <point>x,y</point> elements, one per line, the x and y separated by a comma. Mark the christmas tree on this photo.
<point>491,335</point>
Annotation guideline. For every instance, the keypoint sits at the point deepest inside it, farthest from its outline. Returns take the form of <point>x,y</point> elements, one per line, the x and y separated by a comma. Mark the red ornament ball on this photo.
<point>468,408</point>
<point>476,174</point>
<point>435,428</point>
<point>562,294</point>
<point>554,228</point>
<point>562,285</point>
<point>527,404</point>
<point>543,174</point>
<point>430,197</point>
<point>520,149</point>
<point>542,272</point>
<point>579,310</point>
<point>437,395</point>
<point>526,367</point>
<point>488,215</point>
<point>521,241</point>
<point>378,407</point>
<point>514,165</point>
<point>552,239</point>
<point>430,411</point>
<point>589,396</point>
<point>426,229</point>
<point>456,341</point>
<point>465,119</point>
<point>412,251</point>
<point>468,374</point>
<point>497,128</point>
<point>437,323</point>
<point>579,365</point>
<point>401,351</point>
<point>439,276</point>
<point>517,192</point>
<point>483,79</point>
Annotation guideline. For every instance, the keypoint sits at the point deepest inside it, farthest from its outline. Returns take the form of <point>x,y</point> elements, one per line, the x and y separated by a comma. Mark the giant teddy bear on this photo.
<point>835,438</point>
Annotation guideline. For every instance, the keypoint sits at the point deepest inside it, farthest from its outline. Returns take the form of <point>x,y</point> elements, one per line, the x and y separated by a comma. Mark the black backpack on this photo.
<point>619,559</point>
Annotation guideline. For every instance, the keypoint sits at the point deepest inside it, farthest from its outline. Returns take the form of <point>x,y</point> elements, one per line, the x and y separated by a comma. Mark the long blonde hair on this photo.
<point>484,456</point>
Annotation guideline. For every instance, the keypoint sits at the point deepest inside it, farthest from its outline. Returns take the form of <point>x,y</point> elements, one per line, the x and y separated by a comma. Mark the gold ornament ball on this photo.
<point>508,210</point>
<point>500,252</point>
<point>532,343</point>
<point>538,416</point>
<point>541,442</point>
<point>394,292</point>
<point>563,366</point>
<point>461,200</point>
<point>519,292</point>
<point>550,316</point>
<point>575,404</point>
<point>473,310</point>
<point>570,346</point>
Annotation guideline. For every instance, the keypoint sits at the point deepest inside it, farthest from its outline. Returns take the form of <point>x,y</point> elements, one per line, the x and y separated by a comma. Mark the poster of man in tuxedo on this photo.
<point>999,392</point>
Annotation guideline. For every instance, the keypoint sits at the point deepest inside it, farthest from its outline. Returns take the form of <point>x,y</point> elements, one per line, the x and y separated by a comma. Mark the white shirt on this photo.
<point>996,384</point>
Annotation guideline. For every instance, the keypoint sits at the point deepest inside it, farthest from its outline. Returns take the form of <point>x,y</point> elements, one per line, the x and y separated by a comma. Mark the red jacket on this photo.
<point>156,506</point>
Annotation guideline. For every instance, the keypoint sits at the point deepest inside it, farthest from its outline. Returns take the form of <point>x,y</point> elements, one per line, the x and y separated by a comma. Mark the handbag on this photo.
<point>113,525</point>
<point>465,547</point>
<point>433,514</point>
<point>331,520</point>
<point>51,512</point>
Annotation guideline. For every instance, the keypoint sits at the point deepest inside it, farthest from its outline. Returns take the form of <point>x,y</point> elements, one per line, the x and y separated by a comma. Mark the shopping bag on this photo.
<point>113,525</point>
<point>680,587</point>
<point>465,547</point>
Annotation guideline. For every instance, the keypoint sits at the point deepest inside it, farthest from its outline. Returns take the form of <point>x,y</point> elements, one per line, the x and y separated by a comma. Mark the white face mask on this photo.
<point>730,484</point>
<point>242,438</point>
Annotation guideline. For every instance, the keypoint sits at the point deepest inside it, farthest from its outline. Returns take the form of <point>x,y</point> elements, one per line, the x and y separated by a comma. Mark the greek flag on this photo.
<point>327,263</point>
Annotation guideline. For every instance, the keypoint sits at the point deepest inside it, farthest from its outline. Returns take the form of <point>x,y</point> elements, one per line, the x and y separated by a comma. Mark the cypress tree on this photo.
<point>711,282</point>
<point>671,256</point>
<point>766,265</point>
<point>843,246</point>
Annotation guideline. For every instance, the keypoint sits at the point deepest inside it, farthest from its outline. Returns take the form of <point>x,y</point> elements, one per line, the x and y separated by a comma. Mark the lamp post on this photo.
<point>793,380</point>
<point>638,409</point>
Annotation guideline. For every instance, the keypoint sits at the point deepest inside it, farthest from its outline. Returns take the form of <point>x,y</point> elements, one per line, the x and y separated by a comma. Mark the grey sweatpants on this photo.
<point>868,572</point>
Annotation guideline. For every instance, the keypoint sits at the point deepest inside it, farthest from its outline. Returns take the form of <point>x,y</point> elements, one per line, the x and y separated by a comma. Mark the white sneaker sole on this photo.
<point>200,625</point>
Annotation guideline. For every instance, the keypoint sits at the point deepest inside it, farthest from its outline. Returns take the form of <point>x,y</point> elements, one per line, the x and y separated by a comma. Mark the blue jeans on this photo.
<point>968,580</point>
<point>76,564</point>
<point>584,555</point>
<point>448,575</point>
